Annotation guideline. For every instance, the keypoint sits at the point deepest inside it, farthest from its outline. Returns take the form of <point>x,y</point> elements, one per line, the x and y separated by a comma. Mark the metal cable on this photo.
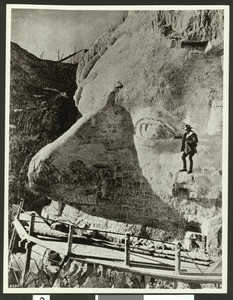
<point>194,263</point>
<point>36,278</point>
<point>32,273</point>
<point>16,263</point>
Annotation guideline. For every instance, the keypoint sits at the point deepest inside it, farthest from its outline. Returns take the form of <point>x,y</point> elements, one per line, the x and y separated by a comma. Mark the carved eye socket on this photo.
<point>150,129</point>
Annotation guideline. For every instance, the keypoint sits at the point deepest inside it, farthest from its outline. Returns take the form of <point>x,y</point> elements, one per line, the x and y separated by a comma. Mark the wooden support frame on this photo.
<point>13,236</point>
<point>28,246</point>
<point>177,258</point>
<point>27,262</point>
<point>22,243</point>
<point>127,249</point>
<point>65,259</point>
<point>16,277</point>
<point>70,239</point>
<point>120,264</point>
<point>32,224</point>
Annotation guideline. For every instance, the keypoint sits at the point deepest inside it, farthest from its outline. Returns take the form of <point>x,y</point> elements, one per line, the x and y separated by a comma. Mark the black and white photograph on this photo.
<point>116,149</point>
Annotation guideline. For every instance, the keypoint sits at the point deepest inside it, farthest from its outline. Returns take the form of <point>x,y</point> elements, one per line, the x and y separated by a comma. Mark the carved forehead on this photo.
<point>163,83</point>
<point>150,63</point>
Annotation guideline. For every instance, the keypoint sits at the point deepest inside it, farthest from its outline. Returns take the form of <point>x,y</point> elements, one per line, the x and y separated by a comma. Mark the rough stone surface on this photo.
<point>41,109</point>
<point>137,86</point>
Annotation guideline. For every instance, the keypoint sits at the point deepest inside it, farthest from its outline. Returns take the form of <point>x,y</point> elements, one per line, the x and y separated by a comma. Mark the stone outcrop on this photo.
<point>119,162</point>
<point>41,109</point>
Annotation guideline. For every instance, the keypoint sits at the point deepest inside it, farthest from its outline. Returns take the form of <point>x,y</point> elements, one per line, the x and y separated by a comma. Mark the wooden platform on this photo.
<point>94,251</point>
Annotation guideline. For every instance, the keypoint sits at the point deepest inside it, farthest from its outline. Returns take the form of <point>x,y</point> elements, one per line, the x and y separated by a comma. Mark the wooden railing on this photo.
<point>127,247</point>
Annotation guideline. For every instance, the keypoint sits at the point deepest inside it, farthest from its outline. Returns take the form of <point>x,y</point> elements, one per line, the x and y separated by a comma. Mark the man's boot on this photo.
<point>183,157</point>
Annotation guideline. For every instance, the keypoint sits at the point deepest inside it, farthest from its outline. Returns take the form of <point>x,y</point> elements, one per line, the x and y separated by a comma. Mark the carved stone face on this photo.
<point>119,160</point>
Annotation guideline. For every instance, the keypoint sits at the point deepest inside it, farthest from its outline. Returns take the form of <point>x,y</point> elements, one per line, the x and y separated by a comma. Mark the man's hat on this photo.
<point>187,126</point>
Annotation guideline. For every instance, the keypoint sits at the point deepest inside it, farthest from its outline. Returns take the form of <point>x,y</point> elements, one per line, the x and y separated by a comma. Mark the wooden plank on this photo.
<point>32,224</point>
<point>95,242</point>
<point>20,208</point>
<point>20,229</point>
<point>177,257</point>
<point>16,277</point>
<point>163,274</point>
<point>13,236</point>
<point>169,255</point>
<point>40,223</point>
<point>65,58</point>
<point>51,233</point>
<point>152,254</point>
<point>59,270</point>
<point>24,235</point>
<point>70,240</point>
<point>27,262</point>
<point>127,249</point>
<point>166,274</point>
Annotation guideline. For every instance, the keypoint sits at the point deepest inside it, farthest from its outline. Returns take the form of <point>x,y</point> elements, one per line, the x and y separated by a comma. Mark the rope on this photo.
<point>32,273</point>
<point>39,269</point>
<point>35,262</point>
<point>67,219</point>
<point>47,219</point>
<point>70,55</point>
<point>194,263</point>
<point>34,278</point>
<point>150,259</point>
<point>16,277</point>
<point>151,251</point>
<point>18,268</point>
<point>16,263</point>
<point>44,255</point>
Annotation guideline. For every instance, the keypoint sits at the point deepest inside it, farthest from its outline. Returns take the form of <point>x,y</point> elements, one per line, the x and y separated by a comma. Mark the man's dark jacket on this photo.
<point>189,143</point>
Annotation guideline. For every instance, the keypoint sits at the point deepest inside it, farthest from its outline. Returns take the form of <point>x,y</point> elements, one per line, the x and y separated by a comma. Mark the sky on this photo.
<point>43,30</point>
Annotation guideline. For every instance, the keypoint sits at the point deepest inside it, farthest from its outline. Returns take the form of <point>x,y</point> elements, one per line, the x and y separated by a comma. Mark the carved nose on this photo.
<point>75,183</point>
<point>82,163</point>
<point>41,172</point>
<point>72,181</point>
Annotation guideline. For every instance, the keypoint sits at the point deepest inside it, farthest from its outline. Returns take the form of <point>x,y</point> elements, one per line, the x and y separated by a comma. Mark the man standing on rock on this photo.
<point>188,148</point>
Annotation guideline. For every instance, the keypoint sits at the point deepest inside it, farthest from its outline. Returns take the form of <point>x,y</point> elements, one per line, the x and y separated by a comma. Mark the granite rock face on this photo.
<point>41,109</point>
<point>137,85</point>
